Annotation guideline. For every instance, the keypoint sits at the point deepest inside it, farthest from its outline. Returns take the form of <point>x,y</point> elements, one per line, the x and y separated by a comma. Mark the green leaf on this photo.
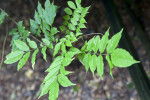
<point>54,92</point>
<point>53,72</point>
<point>64,81</point>
<point>84,47</point>
<point>78,34</point>
<point>103,42</point>
<point>50,12</point>
<point>57,62</point>
<point>40,10</point>
<point>72,51</point>
<point>67,60</point>
<point>63,47</point>
<point>113,42</point>
<point>65,23</point>
<point>13,31</point>
<point>84,59</point>
<point>63,39</point>
<point>71,27</point>
<point>96,43</point>
<point>78,2</point>
<point>110,65</point>
<point>122,58</point>
<point>57,47</point>
<point>100,66</point>
<point>21,45</point>
<point>92,63</point>
<point>62,28</point>
<point>71,5</point>
<point>37,17</point>
<point>68,43</point>
<point>24,33</point>
<point>34,57</point>
<point>84,11</point>
<point>68,11</point>
<point>43,51</point>
<point>47,86</point>
<point>82,25</point>
<point>2,16</point>
<point>82,21</point>
<point>32,44</point>
<point>33,24</point>
<point>62,71</point>
<point>78,30</point>
<point>54,30</point>
<point>90,45</point>
<point>66,17</point>
<point>23,61</point>
<point>73,21</point>
<point>13,57</point>
<point>46,42</point>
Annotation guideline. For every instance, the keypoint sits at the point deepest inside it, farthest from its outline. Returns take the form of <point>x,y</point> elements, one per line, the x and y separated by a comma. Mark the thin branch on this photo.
<point>92,34</point>
<point>4,47</point>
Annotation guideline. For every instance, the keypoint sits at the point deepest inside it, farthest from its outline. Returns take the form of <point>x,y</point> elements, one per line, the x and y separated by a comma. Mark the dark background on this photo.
<point>25,84</point>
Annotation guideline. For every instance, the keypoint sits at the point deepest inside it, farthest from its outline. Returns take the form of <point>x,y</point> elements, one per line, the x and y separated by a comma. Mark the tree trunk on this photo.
<point>140,31</point>
<point>136,71</point>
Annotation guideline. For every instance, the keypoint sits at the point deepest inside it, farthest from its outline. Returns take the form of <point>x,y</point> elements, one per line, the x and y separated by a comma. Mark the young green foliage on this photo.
<point>91,55</point>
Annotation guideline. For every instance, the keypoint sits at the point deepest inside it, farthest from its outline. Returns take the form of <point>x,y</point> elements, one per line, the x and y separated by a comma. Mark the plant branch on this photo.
<point>4,46</point>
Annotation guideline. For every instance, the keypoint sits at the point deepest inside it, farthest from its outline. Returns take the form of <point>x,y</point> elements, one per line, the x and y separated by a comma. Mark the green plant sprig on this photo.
<point>63,50</point>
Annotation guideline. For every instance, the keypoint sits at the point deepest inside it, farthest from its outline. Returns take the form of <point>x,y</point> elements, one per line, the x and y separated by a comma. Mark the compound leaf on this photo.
<point>122,58</point>
<point>23,61</point>
<point>64,81</point>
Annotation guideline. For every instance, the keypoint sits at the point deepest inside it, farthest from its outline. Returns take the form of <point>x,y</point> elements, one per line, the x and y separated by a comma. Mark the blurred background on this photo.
<point>128,83</point>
